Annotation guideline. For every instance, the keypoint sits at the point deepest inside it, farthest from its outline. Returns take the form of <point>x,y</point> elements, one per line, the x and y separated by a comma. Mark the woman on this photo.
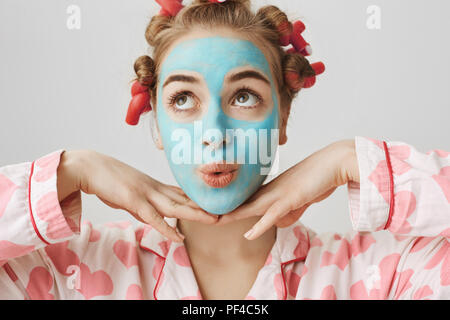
<point>207,57</point>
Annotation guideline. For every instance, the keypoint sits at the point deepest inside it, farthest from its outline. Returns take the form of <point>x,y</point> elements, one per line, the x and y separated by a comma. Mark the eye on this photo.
<point>181,101</point>
<point>245,98</point>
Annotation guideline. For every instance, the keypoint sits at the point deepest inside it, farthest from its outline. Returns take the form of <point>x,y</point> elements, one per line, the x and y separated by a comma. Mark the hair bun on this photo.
<point>145,69</point>
<point>296,69</point>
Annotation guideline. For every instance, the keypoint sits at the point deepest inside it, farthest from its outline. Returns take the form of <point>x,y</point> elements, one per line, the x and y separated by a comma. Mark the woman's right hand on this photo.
<point>121,186</point>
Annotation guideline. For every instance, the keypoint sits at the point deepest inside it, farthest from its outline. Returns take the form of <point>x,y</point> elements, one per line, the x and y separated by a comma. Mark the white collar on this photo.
<point>291,245</point>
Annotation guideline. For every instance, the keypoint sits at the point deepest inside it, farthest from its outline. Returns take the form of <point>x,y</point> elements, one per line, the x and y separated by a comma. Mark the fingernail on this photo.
<point>249,233</point>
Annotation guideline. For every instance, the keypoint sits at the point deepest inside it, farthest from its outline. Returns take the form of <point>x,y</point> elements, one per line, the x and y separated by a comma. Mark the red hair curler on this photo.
<point>285,33</point>
<point>139,104</point>
<point>170,8</point>
<point>299,45</point>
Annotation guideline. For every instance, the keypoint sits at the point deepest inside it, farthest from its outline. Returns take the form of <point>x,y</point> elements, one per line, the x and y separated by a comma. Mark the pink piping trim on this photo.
<point>10,272</point>
<point>391,185</point>
<point>281,267</point>
<point>160,273</point>
<point>287,262</point>
<point>29,206</point>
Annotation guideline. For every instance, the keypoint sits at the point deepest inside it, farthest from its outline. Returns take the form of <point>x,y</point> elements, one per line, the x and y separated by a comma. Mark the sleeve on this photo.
<point>405,195</point>
<point>32,218</point>
<point>46,254</point>
<point>400,190</point>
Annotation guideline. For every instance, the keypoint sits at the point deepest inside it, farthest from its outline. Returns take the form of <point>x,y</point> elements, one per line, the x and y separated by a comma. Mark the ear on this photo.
<point>156,135</point>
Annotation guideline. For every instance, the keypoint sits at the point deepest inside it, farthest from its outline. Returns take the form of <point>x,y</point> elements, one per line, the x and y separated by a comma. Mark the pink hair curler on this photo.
<point>299,45</point>
<point>139,104</point>
<point>285,31</point>
<point>318,68</point>
<point>297,41</point>
<point>170,8</point>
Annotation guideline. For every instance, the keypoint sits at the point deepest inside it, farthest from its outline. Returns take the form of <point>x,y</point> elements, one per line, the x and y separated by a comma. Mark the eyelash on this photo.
<point>173,98</point>
<point>248,90</point>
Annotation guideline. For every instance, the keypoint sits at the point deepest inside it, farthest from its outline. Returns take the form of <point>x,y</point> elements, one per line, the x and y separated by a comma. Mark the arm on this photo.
<point>40,212</point>
<point>402,199</point>
<point>401,189</point>
<point>411,254</point>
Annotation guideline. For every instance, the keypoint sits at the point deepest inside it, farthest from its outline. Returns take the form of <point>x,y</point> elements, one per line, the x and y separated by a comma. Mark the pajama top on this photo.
<point>398,249</point>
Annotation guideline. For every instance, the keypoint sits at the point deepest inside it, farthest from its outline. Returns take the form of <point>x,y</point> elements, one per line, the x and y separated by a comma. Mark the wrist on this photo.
<point>350,161</point>
<point>69,173</point>
<point>347,161</point>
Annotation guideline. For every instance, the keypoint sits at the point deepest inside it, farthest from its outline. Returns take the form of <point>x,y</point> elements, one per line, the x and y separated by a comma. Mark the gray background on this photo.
<point>69,89</point>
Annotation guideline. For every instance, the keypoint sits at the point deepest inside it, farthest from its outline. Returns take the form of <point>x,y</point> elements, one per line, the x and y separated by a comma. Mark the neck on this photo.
<point>223,242</point>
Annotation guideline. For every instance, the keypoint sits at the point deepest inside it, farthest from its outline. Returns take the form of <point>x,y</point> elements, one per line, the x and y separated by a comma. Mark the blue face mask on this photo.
<point>213,58</point>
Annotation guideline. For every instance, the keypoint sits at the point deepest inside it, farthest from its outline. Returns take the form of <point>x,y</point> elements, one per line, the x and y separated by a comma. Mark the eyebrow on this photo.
<point>248,74</point>
<point>235,77</point>
<point>180,77</point>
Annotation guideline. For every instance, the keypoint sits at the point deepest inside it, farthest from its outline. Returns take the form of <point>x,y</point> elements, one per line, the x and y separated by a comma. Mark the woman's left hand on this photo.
<point>282,201</point>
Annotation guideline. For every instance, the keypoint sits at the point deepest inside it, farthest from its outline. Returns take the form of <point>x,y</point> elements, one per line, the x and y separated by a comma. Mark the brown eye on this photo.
<point>242,98</point>
<point>246,100</point>
<point>182,101</point>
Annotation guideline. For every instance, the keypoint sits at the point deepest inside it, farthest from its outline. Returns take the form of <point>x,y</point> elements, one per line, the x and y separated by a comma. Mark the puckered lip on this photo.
<point>218,167</point>
<point>218,174</point>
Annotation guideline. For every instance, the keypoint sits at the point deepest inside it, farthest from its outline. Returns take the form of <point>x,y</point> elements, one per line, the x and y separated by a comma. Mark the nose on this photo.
<point>216,140</point>
<point>215,133</point>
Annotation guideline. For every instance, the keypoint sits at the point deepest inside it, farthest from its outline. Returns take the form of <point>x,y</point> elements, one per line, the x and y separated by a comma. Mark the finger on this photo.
<point>292,217</point>
<point>257,207</point>
<point>110,204</point>
<point>171,208</point>
<point>273,214</point>
<point>179,195</point>
<point>152,217</point>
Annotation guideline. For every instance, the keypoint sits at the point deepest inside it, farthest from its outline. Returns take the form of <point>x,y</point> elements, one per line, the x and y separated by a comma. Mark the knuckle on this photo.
<point>186,199</point>
<point>174,204</point>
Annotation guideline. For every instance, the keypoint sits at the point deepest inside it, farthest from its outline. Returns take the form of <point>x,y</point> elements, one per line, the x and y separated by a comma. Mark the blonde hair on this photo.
<point>268,24</point>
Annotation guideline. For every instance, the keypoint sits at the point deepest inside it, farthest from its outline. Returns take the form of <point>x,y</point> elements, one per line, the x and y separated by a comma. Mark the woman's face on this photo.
<point>218,116</point>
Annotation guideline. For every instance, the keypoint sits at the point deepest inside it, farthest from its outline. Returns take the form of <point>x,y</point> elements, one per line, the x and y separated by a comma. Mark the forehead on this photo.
<point>214,57</point>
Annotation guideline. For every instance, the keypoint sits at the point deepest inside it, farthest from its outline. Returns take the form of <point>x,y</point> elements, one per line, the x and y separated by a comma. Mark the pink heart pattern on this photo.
<point>341,258</point>
<point>134,292</point>
<point>40,283</point>
<point>404,206</point>
<point>126,252</point>
<point>181,257</point>
<point>443,180</point>
<point>62,257</point>
<point>11,250</point>
<point>422,293</point>
<point>387,267</point>
<point>7,189</point>
<point>328,293</point>
<point>46,167</point>
<point>94,284</point>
